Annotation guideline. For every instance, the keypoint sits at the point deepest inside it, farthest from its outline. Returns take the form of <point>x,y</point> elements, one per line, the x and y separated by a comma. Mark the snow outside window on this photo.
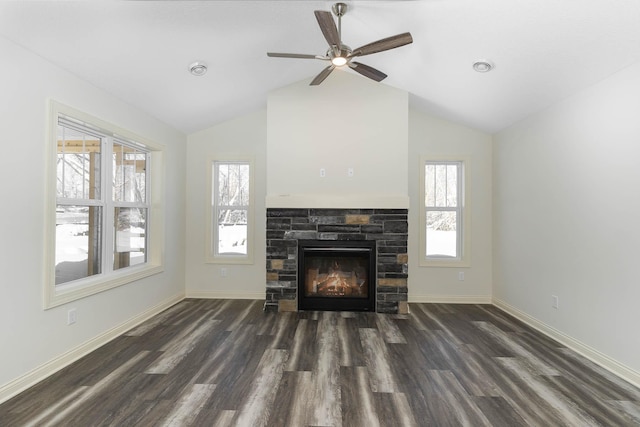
<point>99,235</point>
<point>230,236</point>
<point>444,223</point>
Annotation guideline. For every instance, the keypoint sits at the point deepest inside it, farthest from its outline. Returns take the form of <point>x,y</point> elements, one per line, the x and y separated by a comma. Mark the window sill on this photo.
<point>59,295</point>
<point>445,263</point>
<point>229,260</point>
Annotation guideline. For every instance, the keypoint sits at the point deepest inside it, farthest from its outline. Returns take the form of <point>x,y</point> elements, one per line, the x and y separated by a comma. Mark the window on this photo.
<point>231,213</point>
<point>100,233</point>
<point>444,214</point>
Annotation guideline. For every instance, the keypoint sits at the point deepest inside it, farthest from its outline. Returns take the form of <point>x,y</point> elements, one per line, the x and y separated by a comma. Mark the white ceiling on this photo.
<point>543,50</point>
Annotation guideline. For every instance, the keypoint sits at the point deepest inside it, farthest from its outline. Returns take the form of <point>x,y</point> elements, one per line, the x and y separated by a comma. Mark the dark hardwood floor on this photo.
<point>228,363</point>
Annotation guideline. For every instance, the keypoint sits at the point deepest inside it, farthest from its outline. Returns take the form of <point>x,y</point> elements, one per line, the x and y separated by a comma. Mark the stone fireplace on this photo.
<point>384,231</point>
<point>337,275</point>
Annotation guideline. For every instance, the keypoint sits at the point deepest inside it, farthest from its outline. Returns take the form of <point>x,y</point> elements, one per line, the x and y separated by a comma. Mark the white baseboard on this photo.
<point>7,391</point>
<point>612,365</point>
<point>225,295</point>
<point>451,299</point>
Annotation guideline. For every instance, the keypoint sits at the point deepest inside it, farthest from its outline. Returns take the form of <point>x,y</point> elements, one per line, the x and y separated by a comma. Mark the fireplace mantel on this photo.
<point>338,201</point>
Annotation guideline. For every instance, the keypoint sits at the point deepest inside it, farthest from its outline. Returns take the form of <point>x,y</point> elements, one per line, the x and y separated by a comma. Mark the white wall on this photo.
<point>426,136</point>
<point>432,136</point>
<point>31,337</point>
<point>566,217</point>
<point>346,122</point>
<point>246,136</point>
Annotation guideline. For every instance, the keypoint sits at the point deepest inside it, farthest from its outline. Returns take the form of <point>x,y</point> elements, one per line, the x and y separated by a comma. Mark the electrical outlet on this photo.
<point>555,302</point>
<point>72,316</point>
<point>461,275</point>
<point>350,172</point>
<point>223,272</point>
<point>323,172</point>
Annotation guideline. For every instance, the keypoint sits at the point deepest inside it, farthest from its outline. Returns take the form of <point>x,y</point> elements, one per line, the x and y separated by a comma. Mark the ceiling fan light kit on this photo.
<point>339,54</point>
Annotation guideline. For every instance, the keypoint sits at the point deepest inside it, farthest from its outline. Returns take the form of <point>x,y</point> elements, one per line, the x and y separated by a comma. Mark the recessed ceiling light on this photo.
<point>198,68</point>
<point>483,66</point>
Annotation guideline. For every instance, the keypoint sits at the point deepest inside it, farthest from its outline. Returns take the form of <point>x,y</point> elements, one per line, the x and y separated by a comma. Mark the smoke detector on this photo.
<point>198,69</point>
<point>483,66</point>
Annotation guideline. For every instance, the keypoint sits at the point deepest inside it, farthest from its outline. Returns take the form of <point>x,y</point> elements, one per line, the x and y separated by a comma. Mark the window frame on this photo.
<point>463,258</point>
<point>211,255</point>
<point>55,295</point>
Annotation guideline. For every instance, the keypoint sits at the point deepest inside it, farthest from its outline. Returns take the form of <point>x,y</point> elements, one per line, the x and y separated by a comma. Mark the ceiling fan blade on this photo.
<point>383,44</point>
<point>294,55</point>
<point>367,71</point>
<point>328,27</point>
<point>323,75</point>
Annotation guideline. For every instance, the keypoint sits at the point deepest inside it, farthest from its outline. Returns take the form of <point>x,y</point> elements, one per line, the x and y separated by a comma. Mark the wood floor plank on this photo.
<point>507,341</point>
<point>257,405</point>
<point>603,412</point>
<point>83,408</point>
<point>176,350</point>
<point>378,361</point>
<point>327,410</point>
<point>291,408</point>
<point>555,406</point>
<point>389,329</point>
<point>394,410</point>
<point>351,353</point>
<point>463,407</point>
<point>157,320</point>
<point>499,412</point>
<point>189,405</point>
<point>229,363</point>
<point>358,407</point>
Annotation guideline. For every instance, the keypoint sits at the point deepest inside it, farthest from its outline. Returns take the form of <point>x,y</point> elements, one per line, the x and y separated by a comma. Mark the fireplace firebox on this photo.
<point>336,275</point>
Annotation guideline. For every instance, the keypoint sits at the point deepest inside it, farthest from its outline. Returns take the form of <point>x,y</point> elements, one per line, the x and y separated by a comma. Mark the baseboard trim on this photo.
<point>225,295</point>
<point>450,299</point>
<point>626,373</point>
<point>7,391</point>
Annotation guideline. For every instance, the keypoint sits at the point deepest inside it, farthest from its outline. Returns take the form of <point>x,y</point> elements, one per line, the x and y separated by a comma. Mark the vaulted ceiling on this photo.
<point>543,51</point>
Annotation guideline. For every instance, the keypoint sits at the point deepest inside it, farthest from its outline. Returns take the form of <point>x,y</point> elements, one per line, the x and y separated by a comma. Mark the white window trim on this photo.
<point>210,256</point>
<point>53,295</point>
<point>465,232</point>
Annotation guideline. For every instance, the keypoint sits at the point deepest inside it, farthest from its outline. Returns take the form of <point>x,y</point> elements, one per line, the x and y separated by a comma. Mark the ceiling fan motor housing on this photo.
<point>339,9</point>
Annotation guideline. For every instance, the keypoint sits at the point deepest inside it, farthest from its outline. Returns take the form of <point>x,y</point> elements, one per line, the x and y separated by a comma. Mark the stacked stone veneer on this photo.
<point>388,227</point>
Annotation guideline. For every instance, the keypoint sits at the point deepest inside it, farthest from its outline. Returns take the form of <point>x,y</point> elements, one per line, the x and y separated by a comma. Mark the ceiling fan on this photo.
<point>340,54</point>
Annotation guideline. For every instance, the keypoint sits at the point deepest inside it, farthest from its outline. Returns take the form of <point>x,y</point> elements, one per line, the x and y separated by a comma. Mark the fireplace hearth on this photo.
<point>383,230</point>
<point>336,275</point>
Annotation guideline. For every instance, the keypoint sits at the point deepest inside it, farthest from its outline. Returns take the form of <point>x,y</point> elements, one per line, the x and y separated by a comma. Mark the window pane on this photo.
<point>441,185</point>
<point>441,234</point>
<point>243,182</point>
<point>452,185</point>
<point>78,165</point>
<point>223,184</point>
<point>233,184</point>
<point>78,242</point>
<point>232,231</point>
<point>129,174</point>
<point>130,237</point>
<point>429,185</point>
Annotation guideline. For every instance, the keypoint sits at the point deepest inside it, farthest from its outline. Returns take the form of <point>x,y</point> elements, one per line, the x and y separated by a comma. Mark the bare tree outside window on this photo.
<point>231,206</point>
<point>83,203</point>
<point>130,210</point>
<point>443,204</point>
<point>78,209</point>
